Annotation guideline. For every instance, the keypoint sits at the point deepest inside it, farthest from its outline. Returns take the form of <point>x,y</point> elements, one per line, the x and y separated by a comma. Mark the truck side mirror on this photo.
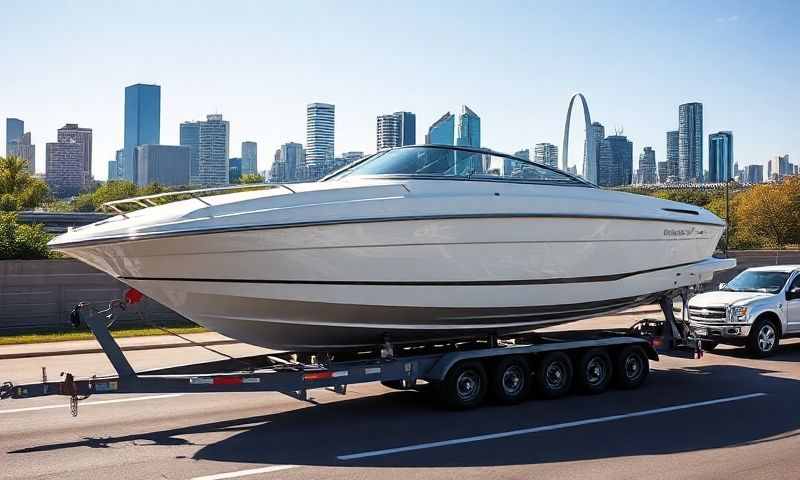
<point>722,286</point>
<point>794,292</point>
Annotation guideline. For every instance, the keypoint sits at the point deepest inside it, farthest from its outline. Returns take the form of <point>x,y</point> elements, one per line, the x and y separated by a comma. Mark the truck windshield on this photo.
<point>756,281</point>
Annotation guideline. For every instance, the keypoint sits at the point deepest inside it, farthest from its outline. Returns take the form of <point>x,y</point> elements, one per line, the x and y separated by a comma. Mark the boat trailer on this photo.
<point>397,366</point>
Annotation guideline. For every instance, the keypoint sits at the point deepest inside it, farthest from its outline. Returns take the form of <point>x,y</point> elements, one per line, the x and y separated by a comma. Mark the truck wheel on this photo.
<point>594,371</point>
<point>631,367</point>
<point>763,339</point>
<point>554,375</point>
<point>709,345</point>
<point>511,380</point>
<point>464,386</point>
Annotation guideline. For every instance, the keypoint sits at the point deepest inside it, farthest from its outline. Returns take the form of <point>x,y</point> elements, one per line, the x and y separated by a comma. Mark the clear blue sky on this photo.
<point>515,63</point>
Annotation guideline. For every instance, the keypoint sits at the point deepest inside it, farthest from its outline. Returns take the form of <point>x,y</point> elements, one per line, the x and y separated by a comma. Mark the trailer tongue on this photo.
<point>461,373</point>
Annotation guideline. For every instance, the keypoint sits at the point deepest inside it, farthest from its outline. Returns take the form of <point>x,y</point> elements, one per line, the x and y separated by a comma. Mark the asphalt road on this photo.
<point>723,416</point>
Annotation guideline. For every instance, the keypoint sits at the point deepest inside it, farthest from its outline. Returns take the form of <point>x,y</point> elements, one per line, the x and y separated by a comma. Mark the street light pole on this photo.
<point>727,215</point>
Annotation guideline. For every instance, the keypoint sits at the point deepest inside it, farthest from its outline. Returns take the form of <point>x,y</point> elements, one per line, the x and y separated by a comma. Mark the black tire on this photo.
<point>465,385</point>
<point>631,367</point>
<point>553,375</point>
<point>594,371</point>
<point>764,338</point>
<point>709,345</point>
<point>511,380</point>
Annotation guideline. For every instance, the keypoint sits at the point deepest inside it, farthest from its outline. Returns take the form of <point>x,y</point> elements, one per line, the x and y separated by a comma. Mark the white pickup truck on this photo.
<point>756,309</point>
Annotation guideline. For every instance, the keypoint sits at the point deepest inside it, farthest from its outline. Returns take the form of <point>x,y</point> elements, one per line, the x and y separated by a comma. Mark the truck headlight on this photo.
<point>737,314</point>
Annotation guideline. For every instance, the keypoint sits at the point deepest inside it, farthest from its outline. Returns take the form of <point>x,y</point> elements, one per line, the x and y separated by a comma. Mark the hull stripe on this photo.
<point>473,283</point>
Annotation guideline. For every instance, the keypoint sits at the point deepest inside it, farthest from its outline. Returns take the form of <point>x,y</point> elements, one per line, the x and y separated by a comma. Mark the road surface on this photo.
<point>723,416</point>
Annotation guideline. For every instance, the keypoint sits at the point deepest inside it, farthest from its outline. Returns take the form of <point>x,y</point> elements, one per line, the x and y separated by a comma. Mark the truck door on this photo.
<point>793,304</point>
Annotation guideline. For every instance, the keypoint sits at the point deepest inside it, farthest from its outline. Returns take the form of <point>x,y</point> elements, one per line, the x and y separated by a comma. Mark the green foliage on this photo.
<point>22,241</point>
<point>114,190</point>
<point>251,178</point>
<point>8,203</point>
<point>16,181</point>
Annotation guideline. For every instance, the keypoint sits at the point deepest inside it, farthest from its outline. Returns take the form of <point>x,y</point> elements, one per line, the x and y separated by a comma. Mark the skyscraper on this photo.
<point>214,149</point>
<point>234,170</point>
<point>396,130</point>
<point>287,163</point>
<point>647,166</point>
<point>546,154</point>
<point>66,160</point>
<point>113,170</point>
<point>71,132</point>
<point>753,174</point>
<point>778,167</point>
<point>387,132</point>
<point>24,149</point>
<point>15,128</point>
<point>690,142</point>
<point>616,161</point>
<point>142,123</point>
<point>468,128</point>
<point>442,131</point>
<point>320,136</point>
<point>672,154</point>
<point>190,137</point>
<point>663,171</point>
<point>591,150</point>
<point>163,164</point>
<point>524,154</point>
<point>720,157</point>
<point>249,158</point>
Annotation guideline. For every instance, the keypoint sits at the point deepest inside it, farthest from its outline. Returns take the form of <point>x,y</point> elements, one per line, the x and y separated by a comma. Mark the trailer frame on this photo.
<point>398,366</point>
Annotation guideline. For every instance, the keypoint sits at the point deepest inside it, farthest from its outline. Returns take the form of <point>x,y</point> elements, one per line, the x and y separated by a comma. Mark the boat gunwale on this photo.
<point>414,218</point>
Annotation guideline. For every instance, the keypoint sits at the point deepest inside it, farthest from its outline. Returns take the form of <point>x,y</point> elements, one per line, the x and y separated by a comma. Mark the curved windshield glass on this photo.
<point>451,162</point>
<point>755,281</point>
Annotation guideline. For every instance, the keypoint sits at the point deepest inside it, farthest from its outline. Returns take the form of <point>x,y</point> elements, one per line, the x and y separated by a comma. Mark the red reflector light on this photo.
<point>657,342</point>
<point>227,380</point>
<point>308,377</point>
<point>133,296</point>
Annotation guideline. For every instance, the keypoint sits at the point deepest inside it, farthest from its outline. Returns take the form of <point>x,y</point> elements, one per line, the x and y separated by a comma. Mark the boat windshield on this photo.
<point>432,161</point>
<point>757,281</point>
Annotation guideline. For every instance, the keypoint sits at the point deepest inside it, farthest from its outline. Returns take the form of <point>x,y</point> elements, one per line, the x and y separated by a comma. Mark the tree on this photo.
<point>16,180</point>
<point>113,190</point>
<point>22,241</point>
<point>251,178</point>
<point>770,213</point>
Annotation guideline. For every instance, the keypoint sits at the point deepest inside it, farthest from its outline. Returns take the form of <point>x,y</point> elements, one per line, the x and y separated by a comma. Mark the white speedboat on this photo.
<point>414,243</point>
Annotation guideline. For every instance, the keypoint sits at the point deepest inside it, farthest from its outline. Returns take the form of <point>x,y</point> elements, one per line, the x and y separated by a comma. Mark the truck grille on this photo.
<point>707,314</point>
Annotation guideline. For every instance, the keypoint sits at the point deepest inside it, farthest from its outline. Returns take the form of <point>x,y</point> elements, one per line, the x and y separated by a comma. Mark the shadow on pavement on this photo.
<point>318,434</point>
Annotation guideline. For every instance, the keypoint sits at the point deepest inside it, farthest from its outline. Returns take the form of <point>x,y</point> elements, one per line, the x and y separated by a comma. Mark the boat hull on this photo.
<point>329,286</point>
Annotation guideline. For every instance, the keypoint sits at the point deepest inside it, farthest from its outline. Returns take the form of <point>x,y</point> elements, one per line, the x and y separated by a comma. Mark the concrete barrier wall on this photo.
<point>38,294</point>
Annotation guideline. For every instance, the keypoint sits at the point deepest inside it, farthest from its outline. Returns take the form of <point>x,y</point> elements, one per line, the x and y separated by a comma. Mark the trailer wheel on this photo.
<point>632,367</point>
<point>554,375</point>
<point>594,371</point>
<point>511,380</point>
<point>464,386</point>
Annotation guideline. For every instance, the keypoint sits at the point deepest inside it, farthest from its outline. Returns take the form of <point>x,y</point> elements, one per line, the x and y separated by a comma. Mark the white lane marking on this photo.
<point>545,428</point>
<point>101,402</point>
<point>243,473</point>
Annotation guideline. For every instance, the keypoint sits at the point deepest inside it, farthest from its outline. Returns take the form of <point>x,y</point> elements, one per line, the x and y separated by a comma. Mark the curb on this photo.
<point>82,351</point>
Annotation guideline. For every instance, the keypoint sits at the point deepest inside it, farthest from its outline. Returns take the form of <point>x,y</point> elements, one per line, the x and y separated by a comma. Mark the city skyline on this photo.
<point>268,108</point>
